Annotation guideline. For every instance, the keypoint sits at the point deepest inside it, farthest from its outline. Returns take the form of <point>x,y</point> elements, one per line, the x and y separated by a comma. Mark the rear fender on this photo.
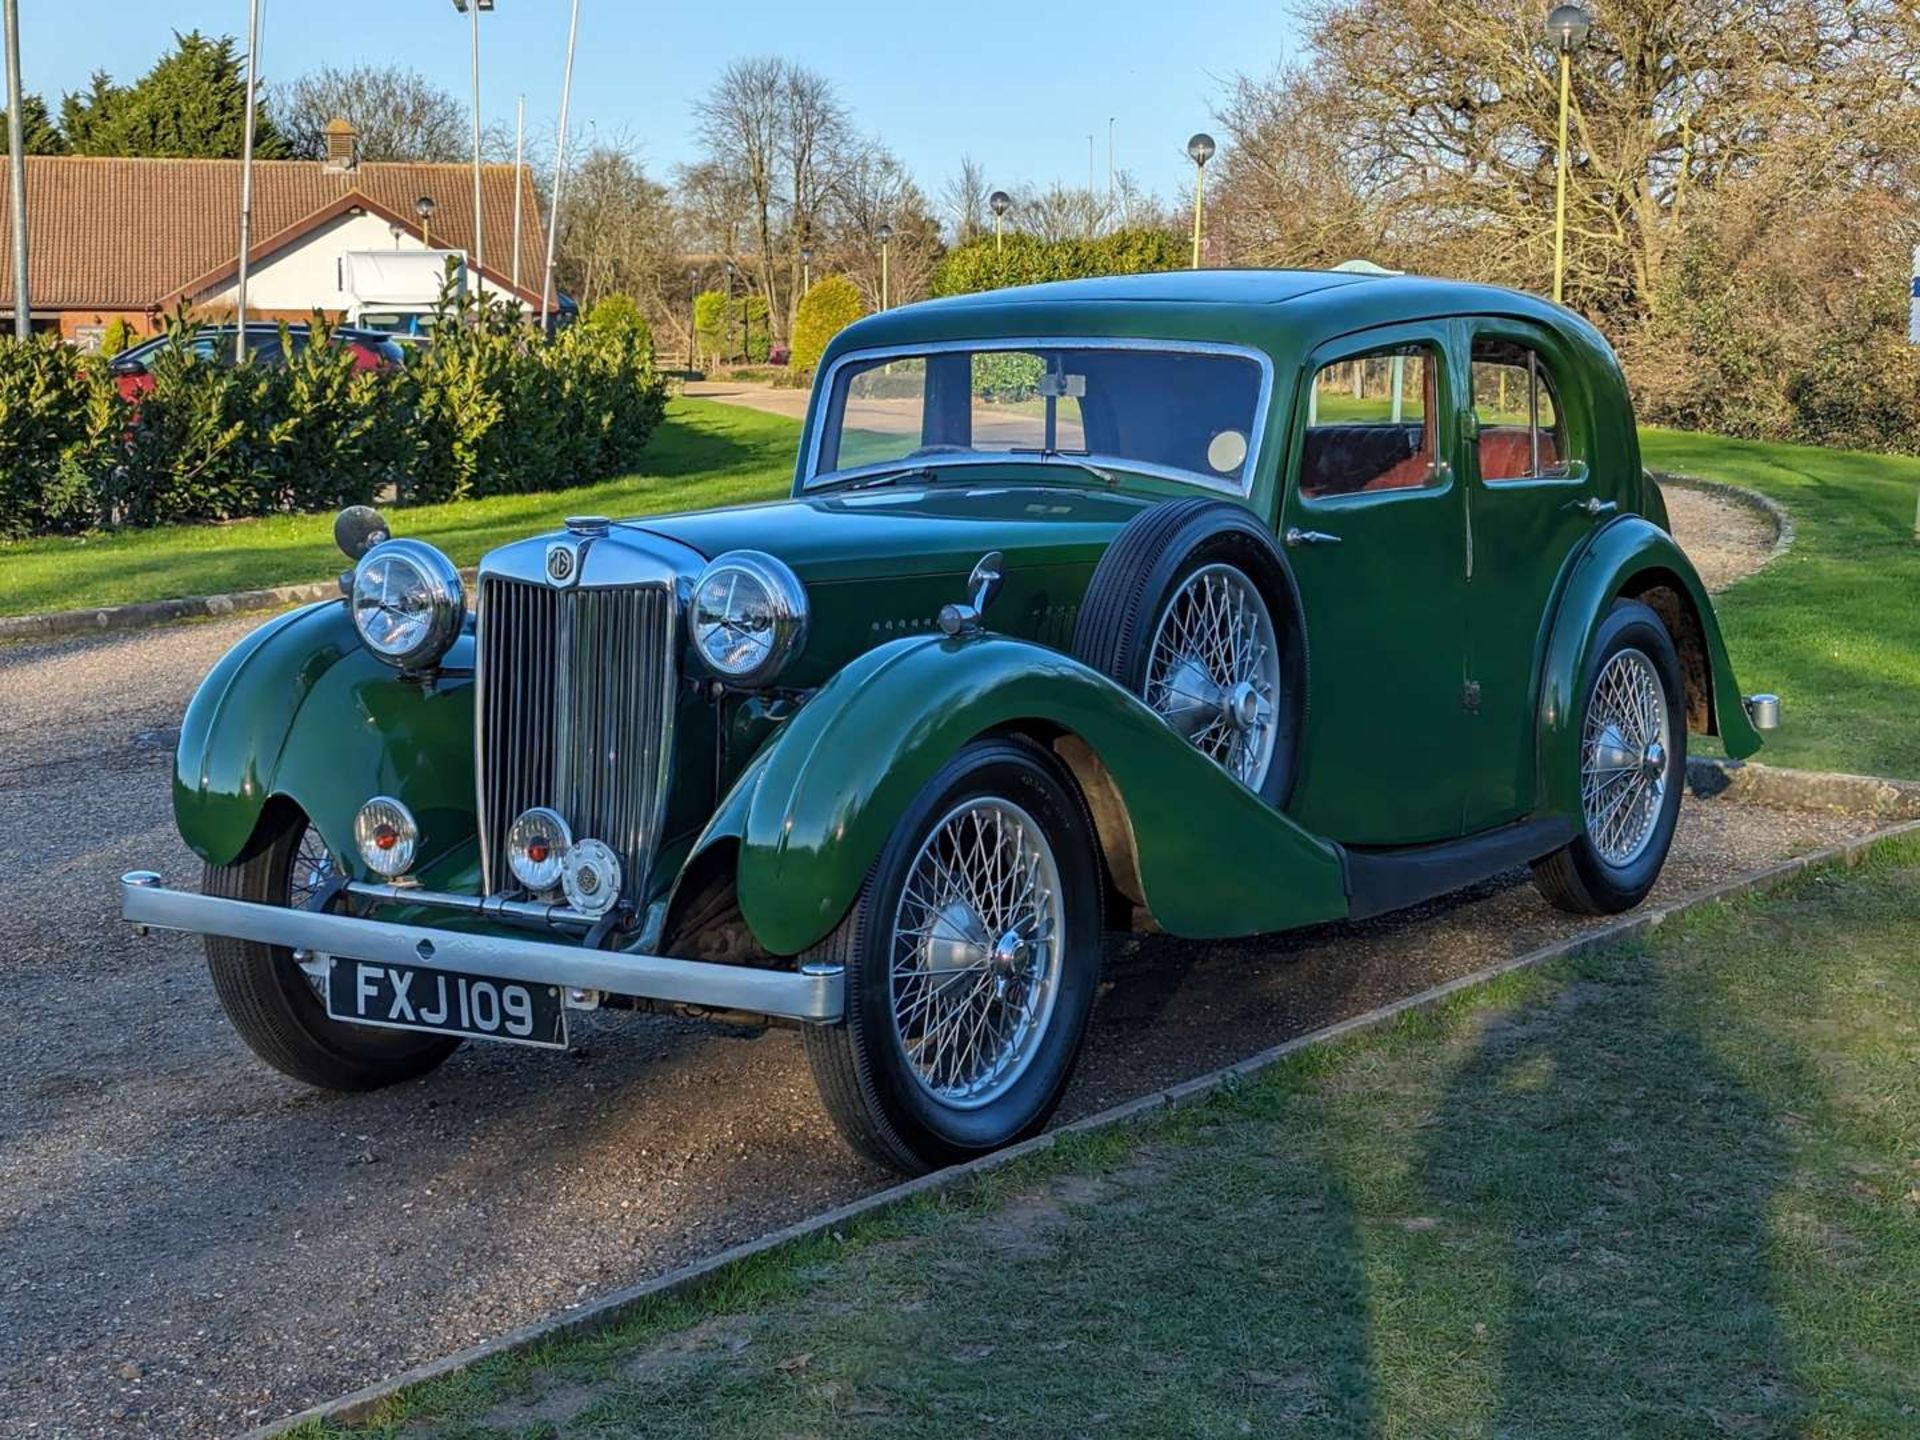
<point>300,709</point>
<point>815,809</point>
<point>1633,559</point>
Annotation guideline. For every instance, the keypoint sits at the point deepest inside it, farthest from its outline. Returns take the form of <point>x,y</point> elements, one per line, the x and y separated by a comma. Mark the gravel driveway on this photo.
<point>193,1244</point>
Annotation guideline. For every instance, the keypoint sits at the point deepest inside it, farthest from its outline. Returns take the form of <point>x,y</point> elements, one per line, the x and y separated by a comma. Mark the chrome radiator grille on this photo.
<point>573,697</point>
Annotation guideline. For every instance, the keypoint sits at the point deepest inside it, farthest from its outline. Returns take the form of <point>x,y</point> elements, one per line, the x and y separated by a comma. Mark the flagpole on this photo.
<point>17,181</point>
<point>519,134</point>
<point>246,178</point>
<point>559,171</point>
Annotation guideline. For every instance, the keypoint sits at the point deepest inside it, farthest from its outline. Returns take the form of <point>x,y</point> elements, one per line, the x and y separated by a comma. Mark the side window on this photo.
<point>1521,437</point>
<point>1370,424</point>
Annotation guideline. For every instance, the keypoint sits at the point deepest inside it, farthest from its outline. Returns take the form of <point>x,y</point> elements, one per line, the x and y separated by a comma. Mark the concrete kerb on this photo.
<point>63,624</point>
<point>609,1310</point>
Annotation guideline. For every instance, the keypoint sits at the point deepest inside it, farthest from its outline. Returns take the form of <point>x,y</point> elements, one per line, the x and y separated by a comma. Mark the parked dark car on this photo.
<point>266,345</point>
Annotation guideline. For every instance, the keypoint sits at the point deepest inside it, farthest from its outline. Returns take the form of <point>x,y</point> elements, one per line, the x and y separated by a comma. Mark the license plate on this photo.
<point>400,997</point>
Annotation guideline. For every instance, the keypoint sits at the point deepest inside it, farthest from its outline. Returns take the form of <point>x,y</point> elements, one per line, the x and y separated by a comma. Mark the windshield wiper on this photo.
<point>1105,477</point>
<point>892,477</point>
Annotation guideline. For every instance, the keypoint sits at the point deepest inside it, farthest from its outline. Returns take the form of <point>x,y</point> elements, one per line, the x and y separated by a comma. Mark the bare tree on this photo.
<point>872,189</point>
<point>741,126</point>
<point>814,138</point>
<point>398,113</point>
<point>965,197</point>
<point>617,233</point>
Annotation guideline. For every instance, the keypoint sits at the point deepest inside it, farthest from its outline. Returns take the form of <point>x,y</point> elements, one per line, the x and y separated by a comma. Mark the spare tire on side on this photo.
<point>1194,610</point>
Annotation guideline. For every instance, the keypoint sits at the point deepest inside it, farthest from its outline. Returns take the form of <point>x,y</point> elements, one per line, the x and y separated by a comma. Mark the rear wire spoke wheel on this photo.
<point>971,956</point>
<point>1632,756</point>
<point>276,1003</point>
<point>1213,671</point>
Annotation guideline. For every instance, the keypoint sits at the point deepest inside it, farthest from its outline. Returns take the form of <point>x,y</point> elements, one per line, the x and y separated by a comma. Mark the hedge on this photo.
<point>490,407</point>
<point>1019,259</point>
<point>825,310</point>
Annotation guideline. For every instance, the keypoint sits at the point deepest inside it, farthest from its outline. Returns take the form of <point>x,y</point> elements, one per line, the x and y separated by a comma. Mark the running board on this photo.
<point>1383,880</point>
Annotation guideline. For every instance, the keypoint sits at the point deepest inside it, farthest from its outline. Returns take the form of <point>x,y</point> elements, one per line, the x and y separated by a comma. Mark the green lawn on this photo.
<point>703,454</point>
<point>1673,1190</point>
<point>1833,625</point>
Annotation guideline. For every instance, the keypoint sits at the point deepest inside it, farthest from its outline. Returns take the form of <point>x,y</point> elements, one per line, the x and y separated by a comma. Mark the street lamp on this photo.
<point>1567,27</point>
<point>743,319</point>
<point>471,9</point>
<point>693,315</point>
<point>806,268</point>
<point>885,236</point>
<point>1200,150</point>
<point>1000,203</point>
<point>424,207</point>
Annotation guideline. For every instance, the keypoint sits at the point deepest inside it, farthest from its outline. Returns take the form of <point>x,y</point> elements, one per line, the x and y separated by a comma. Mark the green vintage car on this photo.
<point>1216,603</point>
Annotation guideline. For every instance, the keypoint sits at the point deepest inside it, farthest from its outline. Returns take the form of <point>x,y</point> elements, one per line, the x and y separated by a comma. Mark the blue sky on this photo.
<point>1019,87</point>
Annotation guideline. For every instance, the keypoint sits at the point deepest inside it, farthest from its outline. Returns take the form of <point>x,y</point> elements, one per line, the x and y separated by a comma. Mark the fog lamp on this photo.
<point>536,846</point>
<point>387,836</point>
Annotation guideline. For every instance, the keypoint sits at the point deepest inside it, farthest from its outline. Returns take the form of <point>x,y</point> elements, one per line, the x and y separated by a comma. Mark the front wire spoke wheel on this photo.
<point>978,939</point>
<point>312,870</point>
<point>1213,671</point>
<point>1625,745</point>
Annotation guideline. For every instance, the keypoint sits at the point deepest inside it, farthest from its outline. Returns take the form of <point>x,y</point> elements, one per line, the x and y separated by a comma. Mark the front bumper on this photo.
<point>815,993</point>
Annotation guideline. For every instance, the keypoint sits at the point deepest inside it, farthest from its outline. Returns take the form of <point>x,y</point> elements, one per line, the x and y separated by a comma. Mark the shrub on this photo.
<point>620,311</point>
<point>718,323</point>
<point>1026,260</point>
<point>60,417</point>
<point>825,310</point>
<point>117,337</point>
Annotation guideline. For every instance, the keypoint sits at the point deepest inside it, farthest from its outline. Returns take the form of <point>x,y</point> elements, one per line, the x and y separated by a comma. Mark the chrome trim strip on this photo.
<point>816,994</point>
<point>813,479</point>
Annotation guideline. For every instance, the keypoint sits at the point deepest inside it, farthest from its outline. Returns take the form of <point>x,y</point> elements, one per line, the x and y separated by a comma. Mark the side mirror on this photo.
<point>357,529</point>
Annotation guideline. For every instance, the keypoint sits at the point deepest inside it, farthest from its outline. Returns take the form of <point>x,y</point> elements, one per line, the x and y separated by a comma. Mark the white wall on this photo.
<point>307,274</point>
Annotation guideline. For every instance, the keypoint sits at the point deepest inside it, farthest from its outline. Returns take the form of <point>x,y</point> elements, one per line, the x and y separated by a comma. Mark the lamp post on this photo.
<point>471,9</point>
<point>1200,150</point>
<point>743,318</point>
<point>424,207</point>
<point>1567,27</point>
<point>1000,203</point>
<point>885,236</point>
<point>693,315</point>
<point>806,268</point>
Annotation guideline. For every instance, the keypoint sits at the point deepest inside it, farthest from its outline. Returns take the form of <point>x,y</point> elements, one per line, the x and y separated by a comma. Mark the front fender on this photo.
<point>300,709</point>
<point>1632,557</point>
<point>819,804</point>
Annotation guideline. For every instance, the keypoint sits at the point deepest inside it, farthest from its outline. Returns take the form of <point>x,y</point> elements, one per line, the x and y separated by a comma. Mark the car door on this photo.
<point>1374,525</point>
<point>1527,472</point>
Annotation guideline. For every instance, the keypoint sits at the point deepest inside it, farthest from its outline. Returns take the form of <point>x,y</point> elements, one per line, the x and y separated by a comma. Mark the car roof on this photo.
<point>1308,302</point>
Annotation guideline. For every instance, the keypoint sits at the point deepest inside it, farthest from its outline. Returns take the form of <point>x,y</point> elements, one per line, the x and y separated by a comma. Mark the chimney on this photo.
<point>342,140</point>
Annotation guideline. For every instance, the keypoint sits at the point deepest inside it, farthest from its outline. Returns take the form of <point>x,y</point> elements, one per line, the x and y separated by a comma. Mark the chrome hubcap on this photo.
<point>1625,748</point>
<point>977,946</point>
<point>1214,671</point>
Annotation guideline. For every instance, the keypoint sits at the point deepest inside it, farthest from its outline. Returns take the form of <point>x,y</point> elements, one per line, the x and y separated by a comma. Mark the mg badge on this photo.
<point>560,563</point>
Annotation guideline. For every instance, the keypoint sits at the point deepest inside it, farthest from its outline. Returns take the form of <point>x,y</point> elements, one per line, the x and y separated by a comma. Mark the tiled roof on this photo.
<point>123,234</point>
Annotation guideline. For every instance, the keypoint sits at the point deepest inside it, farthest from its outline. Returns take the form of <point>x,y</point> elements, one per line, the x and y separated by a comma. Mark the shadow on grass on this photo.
<point>1612,1178</point>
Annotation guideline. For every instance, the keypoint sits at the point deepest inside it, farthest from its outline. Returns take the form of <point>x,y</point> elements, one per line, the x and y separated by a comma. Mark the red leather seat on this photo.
<point>1506,452</point>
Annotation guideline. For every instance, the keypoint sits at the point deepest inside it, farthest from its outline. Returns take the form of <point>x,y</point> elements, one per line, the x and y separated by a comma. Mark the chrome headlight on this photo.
<point>407,603</point>
<point>748,617</point>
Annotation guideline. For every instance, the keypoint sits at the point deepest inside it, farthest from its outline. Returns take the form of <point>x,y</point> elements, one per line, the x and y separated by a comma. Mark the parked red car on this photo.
<point>266,345</point>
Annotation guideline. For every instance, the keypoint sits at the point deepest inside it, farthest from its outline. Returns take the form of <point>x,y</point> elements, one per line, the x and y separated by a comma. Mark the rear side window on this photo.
<point>1514,398</point>
<point>1370,424</point>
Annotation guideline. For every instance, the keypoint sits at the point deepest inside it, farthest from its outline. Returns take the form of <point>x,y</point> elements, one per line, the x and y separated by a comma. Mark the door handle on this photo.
<point>1296,537</point>
<point>1594,506</point>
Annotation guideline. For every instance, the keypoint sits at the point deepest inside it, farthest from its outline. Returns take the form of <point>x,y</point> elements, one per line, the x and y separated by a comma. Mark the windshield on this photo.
<point>1186,413</point>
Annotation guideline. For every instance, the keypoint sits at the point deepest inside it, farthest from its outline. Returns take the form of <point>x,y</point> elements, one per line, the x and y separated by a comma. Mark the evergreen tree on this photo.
<point>192,103</point>
<point>42,137</point>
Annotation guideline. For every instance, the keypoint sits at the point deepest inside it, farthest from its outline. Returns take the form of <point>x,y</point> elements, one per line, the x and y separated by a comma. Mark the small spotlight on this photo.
<point>536,846</point>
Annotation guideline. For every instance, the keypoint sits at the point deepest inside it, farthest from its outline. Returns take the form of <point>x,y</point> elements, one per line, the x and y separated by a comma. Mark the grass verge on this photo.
<point>703,454</point>
<point>1669,1190</point>
<point>1834,624</point>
